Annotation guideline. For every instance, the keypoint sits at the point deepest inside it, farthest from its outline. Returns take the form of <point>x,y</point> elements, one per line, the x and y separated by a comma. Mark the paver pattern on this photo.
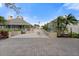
<point>35,44</point>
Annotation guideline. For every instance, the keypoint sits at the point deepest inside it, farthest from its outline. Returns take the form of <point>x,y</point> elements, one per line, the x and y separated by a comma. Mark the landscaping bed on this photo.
<point>14,33</point>
<point>10,32</point>
<point>69,35</point>
<point>4,34</point>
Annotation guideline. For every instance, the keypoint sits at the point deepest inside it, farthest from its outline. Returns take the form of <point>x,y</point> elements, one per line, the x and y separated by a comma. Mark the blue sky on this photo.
<point>43,12</point>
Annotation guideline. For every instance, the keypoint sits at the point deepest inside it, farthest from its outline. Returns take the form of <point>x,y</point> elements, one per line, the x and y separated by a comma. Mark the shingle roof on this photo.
<point>17,21</point>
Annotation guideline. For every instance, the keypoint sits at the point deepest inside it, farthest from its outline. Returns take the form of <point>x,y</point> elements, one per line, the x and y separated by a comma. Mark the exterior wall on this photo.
<point>15,27</point>
<point>75,28</point>
<point>52,26</point>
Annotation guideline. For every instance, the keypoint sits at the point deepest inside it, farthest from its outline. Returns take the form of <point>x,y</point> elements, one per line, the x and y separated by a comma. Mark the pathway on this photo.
<point>34,44</point>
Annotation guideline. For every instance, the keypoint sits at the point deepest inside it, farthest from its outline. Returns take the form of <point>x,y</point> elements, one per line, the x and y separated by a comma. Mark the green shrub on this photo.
<point>74,35</point>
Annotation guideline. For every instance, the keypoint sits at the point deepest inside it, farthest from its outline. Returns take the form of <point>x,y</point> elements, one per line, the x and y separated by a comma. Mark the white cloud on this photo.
<point>34,17</point>
<point>77,18</point>
<point>10,13</point>
<point>0,4</point>
<point>73,6</point>
<point>33,20</point>
<point>29,19</point>
<point>43,23</point>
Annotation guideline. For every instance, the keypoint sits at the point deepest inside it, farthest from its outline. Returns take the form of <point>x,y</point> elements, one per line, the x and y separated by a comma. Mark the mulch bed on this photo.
<point>3,34</point>
<point>66,36</point>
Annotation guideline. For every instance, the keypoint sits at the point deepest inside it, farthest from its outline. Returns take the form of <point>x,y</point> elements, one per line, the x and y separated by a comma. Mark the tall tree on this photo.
<point>60,21</point>
<point>2,20</point>
<point>63,21</point>
<point>14,7</point>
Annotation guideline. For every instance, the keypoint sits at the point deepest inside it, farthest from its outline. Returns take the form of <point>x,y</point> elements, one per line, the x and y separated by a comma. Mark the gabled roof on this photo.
<point>17,21</point>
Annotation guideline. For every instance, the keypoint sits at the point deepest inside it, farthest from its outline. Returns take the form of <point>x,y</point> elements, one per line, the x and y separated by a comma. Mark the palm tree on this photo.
<point>69,19</point>
<point>60,21</point>
<point>63,21</point>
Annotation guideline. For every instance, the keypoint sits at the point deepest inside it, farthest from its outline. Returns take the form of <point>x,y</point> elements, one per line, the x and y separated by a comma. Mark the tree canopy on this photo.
<point>2,20</point>
<point>14,7</point>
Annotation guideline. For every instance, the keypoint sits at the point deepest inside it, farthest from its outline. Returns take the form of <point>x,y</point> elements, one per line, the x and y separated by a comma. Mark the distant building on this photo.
<point>52,27</point>
<point>17,23</point>
<point>74,28</point>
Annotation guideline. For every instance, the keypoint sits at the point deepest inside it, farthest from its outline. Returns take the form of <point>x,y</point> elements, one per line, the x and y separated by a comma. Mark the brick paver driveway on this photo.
<point>36,44</point>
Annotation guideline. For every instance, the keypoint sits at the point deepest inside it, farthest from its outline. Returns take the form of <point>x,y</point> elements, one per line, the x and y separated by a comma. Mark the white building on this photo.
<point>74,28</point>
